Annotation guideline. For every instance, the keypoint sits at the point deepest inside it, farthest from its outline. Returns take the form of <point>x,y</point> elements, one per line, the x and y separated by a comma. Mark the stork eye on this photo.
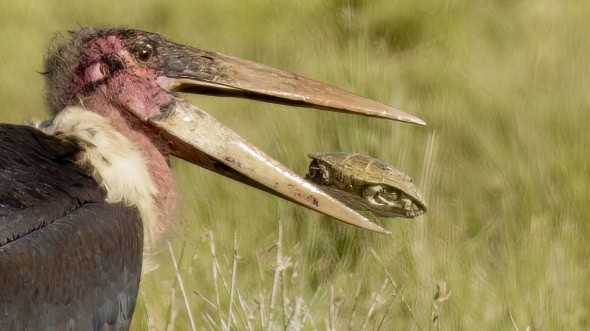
<point>143,51</point>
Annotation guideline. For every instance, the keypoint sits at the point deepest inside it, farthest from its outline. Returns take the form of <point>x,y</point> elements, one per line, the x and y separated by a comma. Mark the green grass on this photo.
<point>504,162</point>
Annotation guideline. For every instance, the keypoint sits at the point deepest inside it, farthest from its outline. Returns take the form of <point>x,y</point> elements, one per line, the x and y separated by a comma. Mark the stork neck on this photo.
<point>156,155</point>
<point>129,161</point>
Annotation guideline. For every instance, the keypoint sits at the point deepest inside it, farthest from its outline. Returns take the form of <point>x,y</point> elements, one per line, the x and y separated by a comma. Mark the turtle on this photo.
<point>364,183</point>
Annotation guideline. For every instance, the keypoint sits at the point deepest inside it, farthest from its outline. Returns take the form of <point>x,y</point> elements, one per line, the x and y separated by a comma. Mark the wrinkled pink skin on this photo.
<point>128,98</point>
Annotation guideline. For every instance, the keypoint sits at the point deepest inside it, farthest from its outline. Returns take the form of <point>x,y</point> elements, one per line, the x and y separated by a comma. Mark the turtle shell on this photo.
<point>347,176</point>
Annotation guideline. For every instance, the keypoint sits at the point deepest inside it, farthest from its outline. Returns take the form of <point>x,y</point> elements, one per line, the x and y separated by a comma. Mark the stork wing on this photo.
<point>60,242</point>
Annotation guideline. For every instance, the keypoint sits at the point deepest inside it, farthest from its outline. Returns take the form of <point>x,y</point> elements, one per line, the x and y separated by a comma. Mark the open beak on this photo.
<point>199,138</point>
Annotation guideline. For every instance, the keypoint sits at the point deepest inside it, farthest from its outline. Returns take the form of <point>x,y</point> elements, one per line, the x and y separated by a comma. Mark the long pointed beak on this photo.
<point>199,138</point>
<point>197,71</point>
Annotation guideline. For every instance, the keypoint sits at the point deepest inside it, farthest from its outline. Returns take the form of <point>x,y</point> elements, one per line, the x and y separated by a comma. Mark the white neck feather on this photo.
<point>113,161</point>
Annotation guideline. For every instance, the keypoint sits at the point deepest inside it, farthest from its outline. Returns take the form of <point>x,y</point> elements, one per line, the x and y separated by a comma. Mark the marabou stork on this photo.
<point>84,194</point>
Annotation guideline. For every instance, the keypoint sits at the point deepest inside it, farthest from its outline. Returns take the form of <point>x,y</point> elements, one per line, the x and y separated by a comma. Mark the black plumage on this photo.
<point>56,262</point>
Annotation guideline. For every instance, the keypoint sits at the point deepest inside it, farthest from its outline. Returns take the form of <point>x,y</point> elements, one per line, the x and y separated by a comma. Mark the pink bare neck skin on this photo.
<point>154,150</point>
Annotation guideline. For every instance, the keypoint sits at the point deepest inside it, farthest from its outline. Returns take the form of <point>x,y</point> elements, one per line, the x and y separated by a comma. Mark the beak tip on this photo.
<point>416,120</point>
<point>376,228</point>
<point>401,116</point>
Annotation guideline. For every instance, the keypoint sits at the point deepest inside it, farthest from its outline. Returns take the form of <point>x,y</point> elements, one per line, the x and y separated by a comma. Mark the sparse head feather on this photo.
<point>67,54</point>
<point>63,56</point>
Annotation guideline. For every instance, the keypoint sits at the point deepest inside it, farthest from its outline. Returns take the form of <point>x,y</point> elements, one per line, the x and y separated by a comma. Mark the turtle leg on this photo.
<point>319,173</point>
<point>410,212</point>
<point>374,195</point>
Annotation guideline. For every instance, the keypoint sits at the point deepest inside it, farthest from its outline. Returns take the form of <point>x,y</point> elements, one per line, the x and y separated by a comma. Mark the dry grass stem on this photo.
<point>181,284</point>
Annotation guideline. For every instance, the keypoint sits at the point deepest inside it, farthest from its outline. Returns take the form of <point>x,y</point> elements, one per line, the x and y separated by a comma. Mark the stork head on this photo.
<point>136,76</point>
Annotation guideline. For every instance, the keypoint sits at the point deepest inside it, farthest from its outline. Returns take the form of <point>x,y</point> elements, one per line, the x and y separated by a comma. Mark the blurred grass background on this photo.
<point>503,162</point>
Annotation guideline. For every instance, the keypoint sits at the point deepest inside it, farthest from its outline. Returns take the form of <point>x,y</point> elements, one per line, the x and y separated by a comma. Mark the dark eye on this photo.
<point>143,51</point>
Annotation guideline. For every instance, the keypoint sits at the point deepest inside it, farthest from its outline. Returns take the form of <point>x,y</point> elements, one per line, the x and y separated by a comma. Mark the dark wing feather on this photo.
<point>68,259</point>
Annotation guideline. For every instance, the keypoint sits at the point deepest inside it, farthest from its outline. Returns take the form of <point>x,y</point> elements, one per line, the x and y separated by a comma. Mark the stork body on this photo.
<point>60,268</point>
<point>83,195</point>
